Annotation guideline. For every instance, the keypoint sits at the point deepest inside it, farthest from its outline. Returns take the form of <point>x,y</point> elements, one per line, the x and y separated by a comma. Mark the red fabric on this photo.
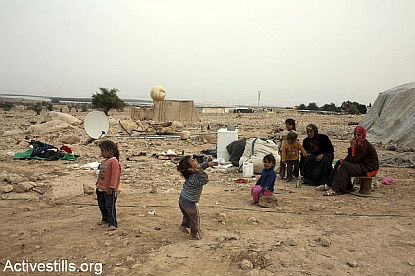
<point>66,149</point>
<point>371,174</point>
<point>361,130</point>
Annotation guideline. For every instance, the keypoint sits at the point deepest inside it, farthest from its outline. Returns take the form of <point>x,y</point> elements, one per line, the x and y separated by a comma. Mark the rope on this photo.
<point>251,209</point>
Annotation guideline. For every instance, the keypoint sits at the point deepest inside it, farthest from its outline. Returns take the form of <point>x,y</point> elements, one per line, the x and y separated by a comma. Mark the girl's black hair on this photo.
<point>184,166</point>
<point>270,158</point>
<point>110,146</point>
<point>290,121</point>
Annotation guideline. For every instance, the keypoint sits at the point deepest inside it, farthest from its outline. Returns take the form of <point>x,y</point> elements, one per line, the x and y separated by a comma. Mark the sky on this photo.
<point>213,52</point>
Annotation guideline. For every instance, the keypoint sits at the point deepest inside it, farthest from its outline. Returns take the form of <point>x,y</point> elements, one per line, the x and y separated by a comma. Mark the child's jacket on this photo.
<point>109,174</point>
<point>267,179</point>
<point>193,186</point>
<point>291,151</point>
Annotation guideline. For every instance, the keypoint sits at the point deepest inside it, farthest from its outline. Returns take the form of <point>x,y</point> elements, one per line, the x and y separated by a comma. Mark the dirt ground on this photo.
<point>54,225</point>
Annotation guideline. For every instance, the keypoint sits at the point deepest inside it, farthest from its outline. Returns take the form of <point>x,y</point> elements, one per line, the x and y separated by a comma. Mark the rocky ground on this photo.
<point>53,216</point>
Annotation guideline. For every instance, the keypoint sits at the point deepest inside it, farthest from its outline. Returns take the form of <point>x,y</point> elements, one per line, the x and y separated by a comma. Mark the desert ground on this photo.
<point>54,223</point>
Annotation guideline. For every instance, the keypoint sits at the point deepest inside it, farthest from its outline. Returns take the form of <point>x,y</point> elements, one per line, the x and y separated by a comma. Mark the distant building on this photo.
<point>214,109</point>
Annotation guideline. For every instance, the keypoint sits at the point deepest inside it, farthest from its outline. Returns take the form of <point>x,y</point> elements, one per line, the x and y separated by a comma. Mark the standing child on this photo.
<point>195,179</point>
<point>107,184</point>
<point>290,126</point>
<point>291,156</point>
<point>265,184</point>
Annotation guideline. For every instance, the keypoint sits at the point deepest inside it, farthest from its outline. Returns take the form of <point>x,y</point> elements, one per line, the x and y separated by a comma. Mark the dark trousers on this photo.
<point>106,204</point>
<point>191,217</point>
<point>281,171</point>
<point>293,168</point>
<point>316,172</point>
<point>340,178</point>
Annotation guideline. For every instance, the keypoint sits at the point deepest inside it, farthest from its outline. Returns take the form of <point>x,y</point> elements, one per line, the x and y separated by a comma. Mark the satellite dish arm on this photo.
<point>124,128</point>
<point>102,133</point>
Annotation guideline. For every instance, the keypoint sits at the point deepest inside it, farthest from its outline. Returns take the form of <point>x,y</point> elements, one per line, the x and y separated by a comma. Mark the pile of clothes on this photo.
<point>43,151</point>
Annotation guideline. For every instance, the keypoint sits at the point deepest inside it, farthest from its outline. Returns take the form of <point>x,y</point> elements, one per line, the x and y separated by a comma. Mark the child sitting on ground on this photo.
<point>290,155</point>
<point>265,184</point>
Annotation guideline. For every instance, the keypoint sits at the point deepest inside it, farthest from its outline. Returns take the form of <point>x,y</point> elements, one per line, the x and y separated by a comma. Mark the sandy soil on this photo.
<point>306,234</point>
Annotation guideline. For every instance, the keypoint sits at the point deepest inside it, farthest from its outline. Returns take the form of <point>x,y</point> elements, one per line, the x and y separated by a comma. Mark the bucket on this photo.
<point>248,169</point>
<point>225,137</point>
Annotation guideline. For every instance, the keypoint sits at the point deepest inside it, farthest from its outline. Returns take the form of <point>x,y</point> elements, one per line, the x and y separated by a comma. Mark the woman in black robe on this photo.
<point>317,166</point>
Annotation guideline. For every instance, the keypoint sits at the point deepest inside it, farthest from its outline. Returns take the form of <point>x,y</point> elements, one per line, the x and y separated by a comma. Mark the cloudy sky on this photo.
<point>215,51</point>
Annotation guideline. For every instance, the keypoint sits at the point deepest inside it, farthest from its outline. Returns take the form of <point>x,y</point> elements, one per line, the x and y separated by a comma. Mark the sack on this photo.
<point>256,149</point>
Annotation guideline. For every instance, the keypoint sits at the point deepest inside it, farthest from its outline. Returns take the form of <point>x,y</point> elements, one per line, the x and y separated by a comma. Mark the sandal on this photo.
<point>330,193</point>
<point>183,229</point>
<point>322,188</point>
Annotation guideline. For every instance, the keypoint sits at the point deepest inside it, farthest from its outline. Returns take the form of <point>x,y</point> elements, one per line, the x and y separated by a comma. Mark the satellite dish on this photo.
<point>96,124</point>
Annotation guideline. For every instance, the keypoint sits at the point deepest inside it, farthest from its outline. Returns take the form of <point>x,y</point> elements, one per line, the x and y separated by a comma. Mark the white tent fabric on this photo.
<point>53,115</point>
<point>391,119</point>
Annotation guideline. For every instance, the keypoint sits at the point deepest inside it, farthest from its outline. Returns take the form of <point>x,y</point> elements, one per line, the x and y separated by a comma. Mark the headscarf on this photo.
<point>314,142</point>
<point>361,130</point>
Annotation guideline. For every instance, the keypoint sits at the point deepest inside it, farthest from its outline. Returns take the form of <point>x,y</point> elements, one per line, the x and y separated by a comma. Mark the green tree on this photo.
<point>37,108</point>
<point>84,107</point>
<point>353,108</point>
<point>362,108</point>
<point>312,106</point>
<point>49,106</point>
<point>107,100</point>
<point>330,107</point>
<point>6,106</point>
<point>301,107</point>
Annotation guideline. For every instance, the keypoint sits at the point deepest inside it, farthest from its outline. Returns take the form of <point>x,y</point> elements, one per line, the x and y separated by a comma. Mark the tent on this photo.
<point>391,119</point>
<point>167,110</point>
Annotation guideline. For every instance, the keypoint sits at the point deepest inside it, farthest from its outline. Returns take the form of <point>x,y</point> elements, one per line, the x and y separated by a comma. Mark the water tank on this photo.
<point>225,137</point>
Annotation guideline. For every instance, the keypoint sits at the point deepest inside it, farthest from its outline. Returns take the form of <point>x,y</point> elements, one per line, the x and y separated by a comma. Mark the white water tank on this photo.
<point>225,137</point>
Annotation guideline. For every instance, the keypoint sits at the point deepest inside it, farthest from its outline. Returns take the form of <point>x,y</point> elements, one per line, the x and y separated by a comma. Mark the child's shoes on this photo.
<point>183,229</point>
<point>111,228</point>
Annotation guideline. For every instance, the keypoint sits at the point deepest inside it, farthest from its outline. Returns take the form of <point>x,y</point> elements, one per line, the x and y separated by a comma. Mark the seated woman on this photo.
<point>361,160</point>
<point>317,166</point>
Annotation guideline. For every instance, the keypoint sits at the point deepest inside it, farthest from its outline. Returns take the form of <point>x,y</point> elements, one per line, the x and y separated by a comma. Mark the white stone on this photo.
<point>23,187</point>
<point>246,264</point>
<point>7,189</point>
